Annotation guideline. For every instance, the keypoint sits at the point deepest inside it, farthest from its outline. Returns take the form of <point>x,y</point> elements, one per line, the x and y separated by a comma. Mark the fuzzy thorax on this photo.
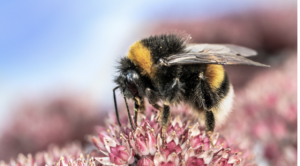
<point>141,57</point>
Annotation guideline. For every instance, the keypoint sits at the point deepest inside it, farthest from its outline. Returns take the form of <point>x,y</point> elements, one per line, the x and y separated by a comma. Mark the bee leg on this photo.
<point>173,91</point>
<point>209,118</point>
<point>209,121</point>
<point>165,119</point>
<point>139,108</point>
<point>209,124</point>
<point>172,94</point>
<point>153,97</point>
<point>207,105</point>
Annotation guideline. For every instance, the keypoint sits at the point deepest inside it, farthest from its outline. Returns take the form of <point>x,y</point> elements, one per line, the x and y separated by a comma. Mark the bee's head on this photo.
<point>129,80</point>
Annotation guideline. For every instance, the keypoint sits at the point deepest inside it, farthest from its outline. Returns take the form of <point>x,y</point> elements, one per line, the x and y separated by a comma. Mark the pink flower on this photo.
<point>265,114</point>
<point>143,141</point>
<point>145,162</point>
<point>70,155</point>
<point>185,145</point>
<point>117,152</point>
<point>163,160</point>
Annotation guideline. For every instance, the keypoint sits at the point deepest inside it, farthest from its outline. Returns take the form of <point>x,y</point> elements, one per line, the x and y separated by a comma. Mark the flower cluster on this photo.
<point>185,144</point>
<point>69,155</point>
<point>268,107</point>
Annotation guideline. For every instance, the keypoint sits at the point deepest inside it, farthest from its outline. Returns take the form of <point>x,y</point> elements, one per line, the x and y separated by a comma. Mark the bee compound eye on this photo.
<point>131,79</point>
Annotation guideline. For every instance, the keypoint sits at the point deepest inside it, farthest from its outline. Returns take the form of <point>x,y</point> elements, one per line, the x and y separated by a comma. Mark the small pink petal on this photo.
<point>130,160</point>
<point>177,121</point>
<point>190,153</point>
<point>141,147</point>
<point>120,151</point>
<point>158,158</point>
<point>170,148</point>
<point>196,142</point>
<point>206,143</point>
<point>102,135</point>
<point>97,143</point>
<point>151,142</point>
<point>174,158</point>
<point>223,162</point>
<point>145,162</point>
<point>132,141</point>
<point>159,141</point>
<point>195,130</point>
<point>214,137</point>
<point>109,143</point>
<point>115,159</point>
<point>80,163</point>
<point>104,160</point>
<point>139,131</point>
<point>169,163</point>
<point>207,156</point>
<point>234,160</point>
<point>62,162</point>
<point>194,161</point>
<point>172,137</point>
<point>226,153</point>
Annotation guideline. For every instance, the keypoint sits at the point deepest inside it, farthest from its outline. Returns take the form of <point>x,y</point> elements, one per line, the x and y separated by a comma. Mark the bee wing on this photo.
<point>220,48</point>
<point>210,58</point>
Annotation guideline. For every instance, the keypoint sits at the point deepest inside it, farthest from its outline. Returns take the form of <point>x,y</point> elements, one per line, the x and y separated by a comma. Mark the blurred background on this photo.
<point>58,58</point>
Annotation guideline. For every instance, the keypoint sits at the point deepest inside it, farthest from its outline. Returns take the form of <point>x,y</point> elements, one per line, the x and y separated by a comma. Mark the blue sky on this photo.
<point>74,44</point>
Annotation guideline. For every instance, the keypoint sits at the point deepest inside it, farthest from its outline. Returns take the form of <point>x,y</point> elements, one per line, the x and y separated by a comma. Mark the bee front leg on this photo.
<point>172,93</point>
<point>139,108</point>
<point>165,119</point>
<point>154,97</point>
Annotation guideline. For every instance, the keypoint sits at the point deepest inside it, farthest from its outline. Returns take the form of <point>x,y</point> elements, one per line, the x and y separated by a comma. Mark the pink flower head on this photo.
<point>145,162</point>
<point>70,155</point>
<point>118,153</point>
<point>143,141</point>
<point>185,145</point>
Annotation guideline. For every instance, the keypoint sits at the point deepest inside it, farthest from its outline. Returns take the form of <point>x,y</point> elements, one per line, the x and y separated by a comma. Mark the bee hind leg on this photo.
<point>209,99</point>
<point>209,125</point>
<point>209,122</point>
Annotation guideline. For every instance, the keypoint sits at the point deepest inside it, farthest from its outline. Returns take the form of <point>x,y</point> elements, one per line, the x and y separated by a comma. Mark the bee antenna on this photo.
<point>116,107</point>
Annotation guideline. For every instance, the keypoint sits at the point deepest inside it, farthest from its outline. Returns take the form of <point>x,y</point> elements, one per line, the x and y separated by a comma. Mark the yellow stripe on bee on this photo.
<point>215,75</point>
<point>141,57</point>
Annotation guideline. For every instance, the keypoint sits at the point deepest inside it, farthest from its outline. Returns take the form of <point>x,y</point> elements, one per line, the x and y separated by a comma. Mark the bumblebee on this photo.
<point>167,69</point>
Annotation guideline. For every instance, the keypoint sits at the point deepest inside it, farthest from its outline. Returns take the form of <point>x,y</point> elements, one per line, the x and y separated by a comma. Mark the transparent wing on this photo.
<point>210,58</point>
<point>220,49</point>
